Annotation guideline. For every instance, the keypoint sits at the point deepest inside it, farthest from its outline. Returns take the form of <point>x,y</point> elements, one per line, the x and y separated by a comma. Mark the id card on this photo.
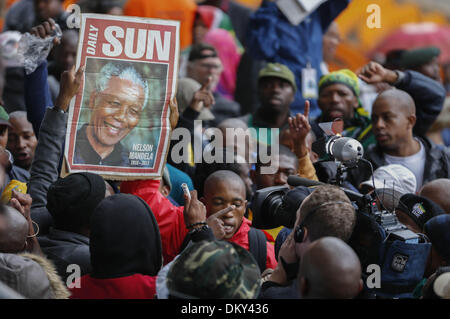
<point>309,83</point>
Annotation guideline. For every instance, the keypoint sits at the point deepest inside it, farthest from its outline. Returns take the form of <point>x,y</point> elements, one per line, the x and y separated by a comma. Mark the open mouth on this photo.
<point>336,113</point>
<point>228,229</point>
<point>22,156</point>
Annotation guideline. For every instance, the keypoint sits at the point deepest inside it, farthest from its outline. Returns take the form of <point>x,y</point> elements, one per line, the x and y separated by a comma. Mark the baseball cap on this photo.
<point>4,117</point>
<point>278,70</point>
<point>419,209</point>
<point>417,57</point>
<point>214,270</point>
<point>393,176</point>
<point>197,52</point>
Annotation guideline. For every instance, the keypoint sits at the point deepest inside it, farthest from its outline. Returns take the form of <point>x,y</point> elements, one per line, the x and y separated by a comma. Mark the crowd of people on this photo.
<point>243,231</point>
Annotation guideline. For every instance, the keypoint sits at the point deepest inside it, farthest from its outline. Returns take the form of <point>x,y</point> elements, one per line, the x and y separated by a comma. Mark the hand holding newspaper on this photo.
<point>119,122</point>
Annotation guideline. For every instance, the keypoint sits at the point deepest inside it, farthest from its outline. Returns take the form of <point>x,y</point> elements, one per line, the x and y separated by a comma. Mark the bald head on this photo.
<point>329,269</point>
<point>223,176</point>
<point>17,115</point>
<point>393,119</point>
<point>13,230</point>
<point>398,99</point>
<point>437,191</point>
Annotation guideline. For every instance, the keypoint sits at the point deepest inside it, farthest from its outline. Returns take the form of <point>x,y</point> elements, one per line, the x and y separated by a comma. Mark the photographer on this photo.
<point>326,212</point>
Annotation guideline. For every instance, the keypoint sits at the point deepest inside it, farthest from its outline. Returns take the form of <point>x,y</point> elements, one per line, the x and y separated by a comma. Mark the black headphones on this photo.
<point>299,232</point>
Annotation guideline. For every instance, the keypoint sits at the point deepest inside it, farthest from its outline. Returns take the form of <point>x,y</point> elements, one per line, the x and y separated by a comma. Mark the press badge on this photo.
<point>309,83</point>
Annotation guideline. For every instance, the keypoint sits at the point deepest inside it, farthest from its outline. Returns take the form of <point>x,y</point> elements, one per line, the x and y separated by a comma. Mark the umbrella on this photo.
<point>414,35</point>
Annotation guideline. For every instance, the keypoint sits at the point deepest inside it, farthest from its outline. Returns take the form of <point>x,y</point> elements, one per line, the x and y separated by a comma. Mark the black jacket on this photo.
<point>437,163</point>
<point>64,248</point>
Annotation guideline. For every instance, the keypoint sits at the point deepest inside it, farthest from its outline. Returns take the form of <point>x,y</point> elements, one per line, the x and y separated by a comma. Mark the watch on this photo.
<point>57,109</point>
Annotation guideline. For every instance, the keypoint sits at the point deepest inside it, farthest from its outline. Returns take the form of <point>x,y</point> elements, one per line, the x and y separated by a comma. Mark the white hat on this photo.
<point>393,176</point>
<point>441,286</point>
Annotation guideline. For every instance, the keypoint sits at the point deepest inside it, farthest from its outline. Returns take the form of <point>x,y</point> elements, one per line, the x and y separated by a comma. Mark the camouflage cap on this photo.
<point>214,270</point>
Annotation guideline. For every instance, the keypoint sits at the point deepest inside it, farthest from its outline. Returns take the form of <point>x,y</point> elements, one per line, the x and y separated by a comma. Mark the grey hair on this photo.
<point>124,72</point>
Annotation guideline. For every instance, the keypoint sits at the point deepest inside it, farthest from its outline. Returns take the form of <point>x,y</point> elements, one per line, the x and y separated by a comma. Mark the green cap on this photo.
<point>278,70</point>
<point>417,57</point>
<point>214,270</point>
<point>4,117</point>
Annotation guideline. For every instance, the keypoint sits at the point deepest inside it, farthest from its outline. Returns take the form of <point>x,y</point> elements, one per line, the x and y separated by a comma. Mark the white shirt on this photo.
<point>415,163</point>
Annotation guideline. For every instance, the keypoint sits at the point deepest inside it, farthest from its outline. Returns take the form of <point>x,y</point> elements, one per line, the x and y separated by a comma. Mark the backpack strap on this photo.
<point>257,247</point>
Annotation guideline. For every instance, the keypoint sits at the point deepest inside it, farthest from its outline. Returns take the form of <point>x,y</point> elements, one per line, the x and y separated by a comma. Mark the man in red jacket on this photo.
<point>223,189</point>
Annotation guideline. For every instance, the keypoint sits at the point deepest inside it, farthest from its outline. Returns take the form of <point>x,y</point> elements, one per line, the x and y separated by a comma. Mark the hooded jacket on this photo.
<point>125,249</point>
<point>32,276</point>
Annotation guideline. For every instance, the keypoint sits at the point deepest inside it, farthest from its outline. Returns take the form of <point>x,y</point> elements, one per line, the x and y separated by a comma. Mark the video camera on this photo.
<point>378,237</point>
<point>277,206</point>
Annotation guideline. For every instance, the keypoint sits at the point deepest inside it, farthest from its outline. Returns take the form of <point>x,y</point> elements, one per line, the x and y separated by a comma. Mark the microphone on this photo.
<point>294,180</point>
<point>345,149</point>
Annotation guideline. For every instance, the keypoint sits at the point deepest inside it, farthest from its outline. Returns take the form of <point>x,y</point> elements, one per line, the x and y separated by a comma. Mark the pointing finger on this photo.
<point>223,212</point>
<point>206,84</point>
<point>306,111</point>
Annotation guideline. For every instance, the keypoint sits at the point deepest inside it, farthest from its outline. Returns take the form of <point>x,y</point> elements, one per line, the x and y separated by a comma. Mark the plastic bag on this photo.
<point>34,50</point>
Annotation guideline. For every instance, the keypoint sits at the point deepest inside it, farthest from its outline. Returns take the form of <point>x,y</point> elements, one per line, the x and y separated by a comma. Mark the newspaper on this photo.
<point>297,10</point>
<point>118,124</point>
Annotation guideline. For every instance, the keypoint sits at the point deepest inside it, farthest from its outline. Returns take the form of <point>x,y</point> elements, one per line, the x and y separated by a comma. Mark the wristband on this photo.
<point>198,229</point>
<point>57,109</point>
<point>195,224</point>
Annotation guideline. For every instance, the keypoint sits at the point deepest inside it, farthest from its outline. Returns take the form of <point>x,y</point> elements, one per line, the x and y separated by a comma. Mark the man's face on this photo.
<point>48,8</point>
<point>221,195</point>
<point>275,93</point>
<point>431,69</point>
<point>67,52</point>
<point>3,135</point>
<point>390,126</point>
<point>337,101</point>
<point>201,69</point>
<point>21,141</point>
<point>286,166</point>
<point>116,110</point>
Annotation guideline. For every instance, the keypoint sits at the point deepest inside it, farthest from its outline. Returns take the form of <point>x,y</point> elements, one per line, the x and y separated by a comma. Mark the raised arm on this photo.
<point>299,129</point>
<point>428,94</point>
<point>37,92</point>
<point>44,170</point>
